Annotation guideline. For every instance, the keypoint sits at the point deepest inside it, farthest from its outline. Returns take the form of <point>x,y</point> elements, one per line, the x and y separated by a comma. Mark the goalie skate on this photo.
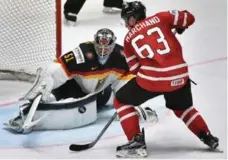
<point>24,123</point>
<point>136,148</point>
<point>15,124</point>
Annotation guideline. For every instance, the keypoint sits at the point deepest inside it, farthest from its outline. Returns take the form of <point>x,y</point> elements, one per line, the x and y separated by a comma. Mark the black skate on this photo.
<point>70,18</point>
<point>136,148</point>
<point>209,139</point>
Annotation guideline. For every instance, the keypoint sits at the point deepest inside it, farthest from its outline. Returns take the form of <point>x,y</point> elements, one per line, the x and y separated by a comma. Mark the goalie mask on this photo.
<point>105,41</point>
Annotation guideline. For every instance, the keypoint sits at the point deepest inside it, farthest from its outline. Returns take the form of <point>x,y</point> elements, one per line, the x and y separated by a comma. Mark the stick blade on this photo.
<point>75,147</point>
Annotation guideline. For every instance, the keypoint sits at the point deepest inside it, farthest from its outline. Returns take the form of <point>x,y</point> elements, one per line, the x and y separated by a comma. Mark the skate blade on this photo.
<point>217,150</point>
<point>133,153</point>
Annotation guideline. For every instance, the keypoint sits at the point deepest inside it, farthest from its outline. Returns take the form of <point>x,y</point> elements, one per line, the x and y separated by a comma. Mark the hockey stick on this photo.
<point>80,147</point>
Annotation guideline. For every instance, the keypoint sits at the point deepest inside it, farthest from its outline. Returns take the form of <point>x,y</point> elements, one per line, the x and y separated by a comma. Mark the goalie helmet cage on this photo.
<point>30,36</point>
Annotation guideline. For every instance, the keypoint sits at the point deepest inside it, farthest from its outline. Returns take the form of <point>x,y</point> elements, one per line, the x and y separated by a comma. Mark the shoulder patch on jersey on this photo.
<point>89,55</point>
<point>78,55</point>
<point>173,12</point>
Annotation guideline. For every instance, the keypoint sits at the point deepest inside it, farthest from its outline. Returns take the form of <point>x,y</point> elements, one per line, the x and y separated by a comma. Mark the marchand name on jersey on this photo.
<point>141,25</point>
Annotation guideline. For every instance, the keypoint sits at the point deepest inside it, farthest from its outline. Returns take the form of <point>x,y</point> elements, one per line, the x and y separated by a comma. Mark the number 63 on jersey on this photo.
<point>150,50</point>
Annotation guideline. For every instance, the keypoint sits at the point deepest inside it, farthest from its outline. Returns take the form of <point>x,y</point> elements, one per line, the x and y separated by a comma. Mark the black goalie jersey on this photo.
<point>82,65</point>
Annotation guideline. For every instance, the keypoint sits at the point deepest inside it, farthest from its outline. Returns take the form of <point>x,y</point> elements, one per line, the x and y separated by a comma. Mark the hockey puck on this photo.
<point>82,109</point>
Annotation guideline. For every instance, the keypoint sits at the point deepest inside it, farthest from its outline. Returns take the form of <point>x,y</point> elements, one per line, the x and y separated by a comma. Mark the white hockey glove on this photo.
<point>146,114</point>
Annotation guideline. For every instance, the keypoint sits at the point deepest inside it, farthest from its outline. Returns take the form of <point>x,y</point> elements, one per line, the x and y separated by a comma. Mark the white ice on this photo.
<point>204,46</point>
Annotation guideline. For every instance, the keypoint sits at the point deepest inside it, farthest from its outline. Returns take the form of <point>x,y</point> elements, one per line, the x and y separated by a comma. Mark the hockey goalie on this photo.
<point>69,91</point>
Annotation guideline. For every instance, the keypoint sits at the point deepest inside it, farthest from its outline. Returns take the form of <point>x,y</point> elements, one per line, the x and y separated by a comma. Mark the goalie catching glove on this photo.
<point>46,80</point>
<point>43,85</point>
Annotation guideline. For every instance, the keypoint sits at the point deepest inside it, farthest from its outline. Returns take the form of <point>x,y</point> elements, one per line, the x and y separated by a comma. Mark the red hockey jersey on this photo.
<point>154,54</point>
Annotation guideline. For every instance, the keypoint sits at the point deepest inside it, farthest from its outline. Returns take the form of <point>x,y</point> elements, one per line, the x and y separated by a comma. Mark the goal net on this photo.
<point>30,36</point>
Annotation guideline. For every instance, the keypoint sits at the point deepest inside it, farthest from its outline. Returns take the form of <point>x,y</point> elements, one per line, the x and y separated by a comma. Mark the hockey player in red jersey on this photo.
<point>154,54</point>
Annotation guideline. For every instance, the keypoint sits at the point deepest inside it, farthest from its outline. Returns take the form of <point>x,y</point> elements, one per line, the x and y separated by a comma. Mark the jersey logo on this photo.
<point>93,68</point>
<point>100,83</point>
<point>177,82</point>
<point>79,55</point>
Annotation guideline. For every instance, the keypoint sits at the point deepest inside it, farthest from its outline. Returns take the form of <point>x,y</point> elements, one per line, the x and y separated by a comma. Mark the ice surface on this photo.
<point>204,46</point>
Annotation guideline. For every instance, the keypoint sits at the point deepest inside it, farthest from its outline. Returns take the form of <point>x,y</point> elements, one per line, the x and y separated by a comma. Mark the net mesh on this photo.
<point>28,37</point>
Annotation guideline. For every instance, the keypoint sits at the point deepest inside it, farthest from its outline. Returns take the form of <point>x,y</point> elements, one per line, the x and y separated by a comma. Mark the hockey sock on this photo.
<point>193,120</point>
<point>128,119</point>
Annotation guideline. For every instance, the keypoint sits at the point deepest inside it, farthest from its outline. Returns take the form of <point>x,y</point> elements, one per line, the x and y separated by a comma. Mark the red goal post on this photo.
<point>30,36</point>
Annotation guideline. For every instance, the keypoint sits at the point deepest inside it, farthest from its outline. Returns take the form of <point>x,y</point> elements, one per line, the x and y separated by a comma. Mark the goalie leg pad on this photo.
<point>65,114</point>
<point>68,118</point>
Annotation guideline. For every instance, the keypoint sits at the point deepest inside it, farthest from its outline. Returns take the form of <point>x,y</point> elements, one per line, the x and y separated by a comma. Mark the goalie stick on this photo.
<point>80,147</point>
